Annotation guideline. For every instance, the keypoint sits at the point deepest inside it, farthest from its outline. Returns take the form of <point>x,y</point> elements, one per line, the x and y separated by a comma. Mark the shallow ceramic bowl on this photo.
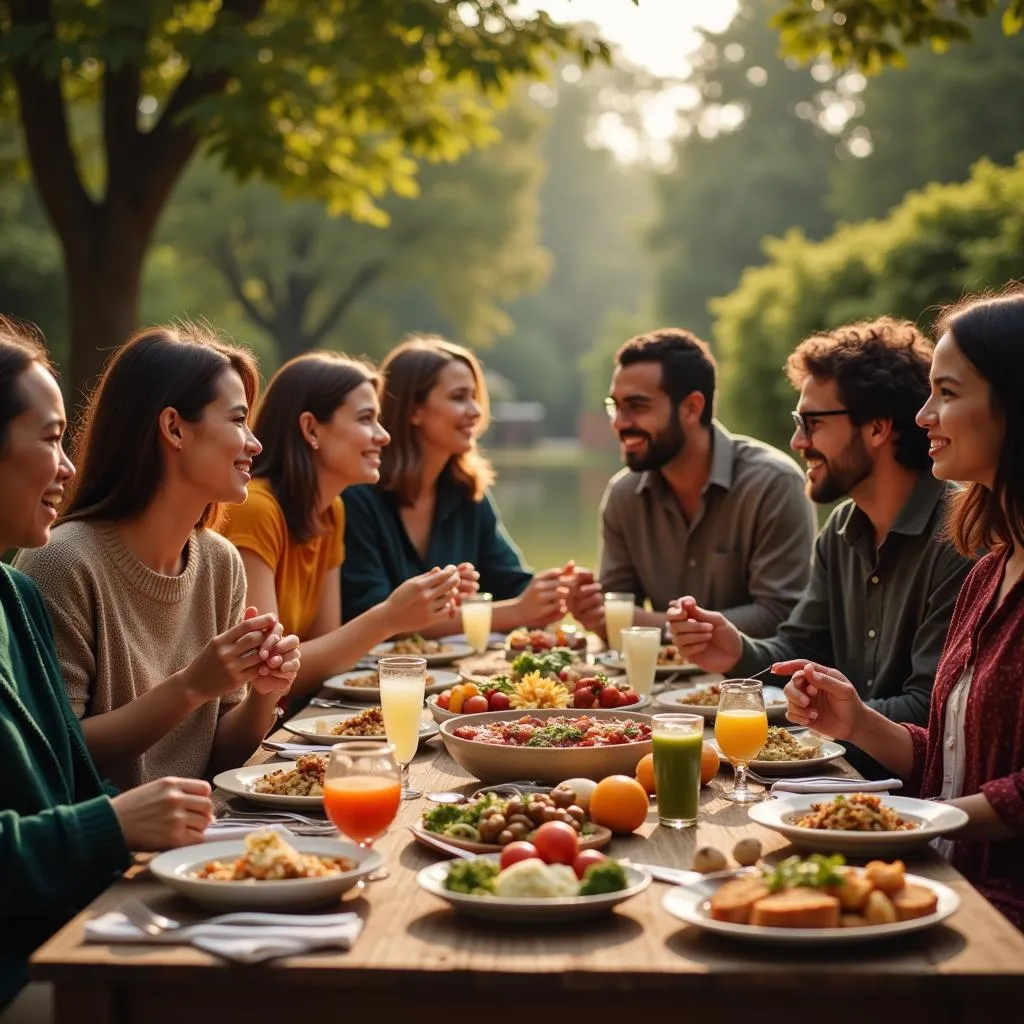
<point>491,763</point>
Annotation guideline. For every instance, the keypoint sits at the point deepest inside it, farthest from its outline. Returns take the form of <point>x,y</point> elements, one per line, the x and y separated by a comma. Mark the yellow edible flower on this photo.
<point>532,691</point>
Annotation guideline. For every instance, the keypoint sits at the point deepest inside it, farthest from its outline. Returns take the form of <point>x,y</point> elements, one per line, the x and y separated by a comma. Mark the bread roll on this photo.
<point>732,901</point>
<point>889,878</point>
<point>854,892</point>
<point>914,901</point>
<point>796,908</point>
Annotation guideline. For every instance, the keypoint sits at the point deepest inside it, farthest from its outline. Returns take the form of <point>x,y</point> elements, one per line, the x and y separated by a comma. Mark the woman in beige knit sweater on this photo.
<point>167,669</point>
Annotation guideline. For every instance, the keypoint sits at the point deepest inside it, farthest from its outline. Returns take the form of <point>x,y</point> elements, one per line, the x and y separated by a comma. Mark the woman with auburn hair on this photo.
<point>972,752</point>
<point>318,424</point>
<point>65,835</point>
<point>168,670</point>
<point>431,506</point>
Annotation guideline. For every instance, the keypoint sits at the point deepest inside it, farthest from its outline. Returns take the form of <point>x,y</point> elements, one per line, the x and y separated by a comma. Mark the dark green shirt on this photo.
<point>60,841</point>
<point>379,556</point>
<point>880,616</point>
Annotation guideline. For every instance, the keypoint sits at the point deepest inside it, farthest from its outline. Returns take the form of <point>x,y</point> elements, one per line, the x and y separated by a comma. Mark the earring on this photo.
<point>315,445</point>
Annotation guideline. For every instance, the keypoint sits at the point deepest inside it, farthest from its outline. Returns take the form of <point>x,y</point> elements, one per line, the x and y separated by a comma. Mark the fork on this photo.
<point>152,923</point>
<point>330,702</point>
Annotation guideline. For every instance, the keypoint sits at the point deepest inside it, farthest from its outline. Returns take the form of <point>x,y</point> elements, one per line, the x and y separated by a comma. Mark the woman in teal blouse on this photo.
<point>431,506</point>
<point>64,834</point>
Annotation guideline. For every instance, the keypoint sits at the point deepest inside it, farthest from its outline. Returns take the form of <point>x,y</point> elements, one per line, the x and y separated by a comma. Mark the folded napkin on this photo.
<point>835,786</point>
<point>242,943</point>
<point>224,829</point>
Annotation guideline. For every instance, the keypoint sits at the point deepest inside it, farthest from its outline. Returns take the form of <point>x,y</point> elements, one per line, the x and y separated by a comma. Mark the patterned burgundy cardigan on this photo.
<point>993,729</point>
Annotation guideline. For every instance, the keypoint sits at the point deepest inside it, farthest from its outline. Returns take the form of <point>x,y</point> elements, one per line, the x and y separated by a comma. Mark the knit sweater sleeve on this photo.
<point>233,569</point>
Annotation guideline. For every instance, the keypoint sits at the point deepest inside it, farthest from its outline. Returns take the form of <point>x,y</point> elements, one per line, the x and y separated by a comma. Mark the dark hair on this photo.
<point>317,383</point>
<point>21,345</point>
<point>411,372</point>
<point>881,371</point>
<point>118,453</point>
<point>989,331</point>
<point>687,364</point>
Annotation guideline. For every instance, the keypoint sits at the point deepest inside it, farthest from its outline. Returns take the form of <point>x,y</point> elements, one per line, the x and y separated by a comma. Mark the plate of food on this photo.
<point>549,745</point>
<point>532,692</point>
<point>436,652</point>
<point>858,824</point>
<point>537,641</point>
<point>670,662</point>
<point>490,821</point>
<point>818,900</point>
<point>703,700</point>
<point>298,784</point>
<point>559,663</point>
<point>789,752</point>
<point>331,729</point>
<point>265,872</point>
<point>496,888</point>
<point>364,684</point>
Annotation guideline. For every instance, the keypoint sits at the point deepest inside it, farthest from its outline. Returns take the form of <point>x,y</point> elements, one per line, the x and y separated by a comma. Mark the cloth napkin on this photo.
<point>241,943</point>
<point>835,786</point>
<point>223,830</point>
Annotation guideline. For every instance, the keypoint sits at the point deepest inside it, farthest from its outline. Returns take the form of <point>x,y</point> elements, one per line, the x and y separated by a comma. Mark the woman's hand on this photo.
<point>469,579</point>
<point>708,639</point>
<point>281,659</point>
<point>424,600</point>
<point>164,814</point>
<point>584,597</point>
<point>543,600</point>
<point>228,661</point>
<point>822,698</point>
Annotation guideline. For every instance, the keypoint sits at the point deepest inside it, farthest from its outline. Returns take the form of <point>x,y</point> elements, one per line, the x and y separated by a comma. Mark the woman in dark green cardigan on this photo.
<point>64,834</point>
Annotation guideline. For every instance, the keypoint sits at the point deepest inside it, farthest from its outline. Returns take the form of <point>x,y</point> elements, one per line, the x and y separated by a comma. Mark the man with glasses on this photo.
<point>884,580</point>
<point>696,510</point>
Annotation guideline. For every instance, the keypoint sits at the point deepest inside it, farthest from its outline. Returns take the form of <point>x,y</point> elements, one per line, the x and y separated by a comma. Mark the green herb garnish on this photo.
<point>816,872</point>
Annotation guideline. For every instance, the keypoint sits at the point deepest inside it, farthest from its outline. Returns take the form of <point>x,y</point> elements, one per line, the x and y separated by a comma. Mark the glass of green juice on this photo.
<point>676,742</point>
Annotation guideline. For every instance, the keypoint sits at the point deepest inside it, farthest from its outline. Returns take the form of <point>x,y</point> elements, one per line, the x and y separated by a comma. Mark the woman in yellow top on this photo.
<point>318,423</point>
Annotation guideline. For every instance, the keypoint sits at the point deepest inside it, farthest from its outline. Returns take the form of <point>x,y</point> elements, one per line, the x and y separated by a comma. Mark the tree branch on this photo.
<point>47,137</point>
<point>223,259</point>
<point>121,135</point>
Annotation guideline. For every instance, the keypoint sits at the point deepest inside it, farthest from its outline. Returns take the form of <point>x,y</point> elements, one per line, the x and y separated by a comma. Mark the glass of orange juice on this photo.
<point>741,727</point>
<point>362,790</point>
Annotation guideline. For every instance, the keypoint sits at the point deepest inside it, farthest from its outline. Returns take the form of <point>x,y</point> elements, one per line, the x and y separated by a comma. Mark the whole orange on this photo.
<point>619,803</point>
<point>645,773</point>
<point>710,762</point>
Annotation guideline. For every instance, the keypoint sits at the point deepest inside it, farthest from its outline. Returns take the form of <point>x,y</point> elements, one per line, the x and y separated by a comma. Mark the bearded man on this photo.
<point>697,510</point>
<point>884,578</point>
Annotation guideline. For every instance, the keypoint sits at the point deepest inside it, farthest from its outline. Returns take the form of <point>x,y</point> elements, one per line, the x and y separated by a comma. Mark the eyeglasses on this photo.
<point>630,406</point>
<point>803,419</point>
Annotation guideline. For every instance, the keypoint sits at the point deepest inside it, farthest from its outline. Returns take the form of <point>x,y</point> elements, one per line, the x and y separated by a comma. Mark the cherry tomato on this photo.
<point>475,704</point>
<point>583,699</point>
<point>609,697</point>
<point>629,697</point>
<point>556,842</point>
<point>585,859</point>
<point>517,851</point>
<point>499,701</point>
<point>444,699</point>
<point>588,682</point>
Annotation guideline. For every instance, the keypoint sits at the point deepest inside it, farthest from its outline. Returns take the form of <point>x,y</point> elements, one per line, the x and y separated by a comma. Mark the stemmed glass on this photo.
<point>741,727</point>
<point>362,791</point>
<point>403,683</point>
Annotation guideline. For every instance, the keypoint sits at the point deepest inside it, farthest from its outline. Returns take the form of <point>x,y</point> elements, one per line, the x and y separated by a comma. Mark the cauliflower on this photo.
<point>533,879</point>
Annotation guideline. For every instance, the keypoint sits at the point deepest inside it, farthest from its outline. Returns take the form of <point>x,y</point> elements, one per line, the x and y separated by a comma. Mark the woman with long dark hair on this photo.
<point>432,505</point>
<point>972,751</point>
<point>168,670</point>
<point>64,834</point>
<point>319,427</point>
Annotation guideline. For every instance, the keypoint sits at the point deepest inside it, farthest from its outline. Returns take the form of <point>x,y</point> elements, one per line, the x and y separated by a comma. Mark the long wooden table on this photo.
<point>416,957</point>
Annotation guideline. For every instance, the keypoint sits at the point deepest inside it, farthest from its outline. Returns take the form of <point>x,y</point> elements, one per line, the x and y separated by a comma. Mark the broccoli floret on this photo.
<point>437,819</point>
<point>473,877</point>
<point>605,876</point>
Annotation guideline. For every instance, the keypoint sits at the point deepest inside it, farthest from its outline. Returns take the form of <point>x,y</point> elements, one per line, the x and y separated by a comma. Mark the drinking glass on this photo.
<point>640,648</point>
<point>741,727</point>
<point>362,791</point>
<point>403,684</point>
<point>618,615</point>
<point>676,741</point>
<point>476,620</point>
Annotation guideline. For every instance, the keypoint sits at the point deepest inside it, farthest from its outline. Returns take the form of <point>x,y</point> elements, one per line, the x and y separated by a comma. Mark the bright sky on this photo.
<point>655,33</point>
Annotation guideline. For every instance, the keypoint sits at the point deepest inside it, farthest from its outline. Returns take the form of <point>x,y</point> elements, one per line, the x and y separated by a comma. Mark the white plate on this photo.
<point>239,780</point>
<point>542,911</point>
<point>829,752</point>
<point>935,820</point>
<point>441,681</point>
<point>440,715</point>
<point>495,641</point>
<point>775,702</point>
<point>456,649</point>
<point>690,904</point>
<point>614,660</point>
<point>305,725</point>
<point>175,867</point>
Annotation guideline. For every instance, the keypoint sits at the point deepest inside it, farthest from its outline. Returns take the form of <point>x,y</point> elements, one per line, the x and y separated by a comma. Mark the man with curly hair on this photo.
<point>883,579</point>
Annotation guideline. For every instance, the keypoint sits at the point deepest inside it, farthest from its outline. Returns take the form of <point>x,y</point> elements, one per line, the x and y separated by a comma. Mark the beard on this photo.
<point>852,466</point>
<point>661,448</point>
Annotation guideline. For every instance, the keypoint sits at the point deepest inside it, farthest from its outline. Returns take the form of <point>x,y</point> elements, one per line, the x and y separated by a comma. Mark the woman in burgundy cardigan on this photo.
<point>972,752</point>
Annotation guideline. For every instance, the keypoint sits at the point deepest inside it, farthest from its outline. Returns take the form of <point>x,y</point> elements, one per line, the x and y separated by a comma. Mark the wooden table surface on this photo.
<point>416,955</point>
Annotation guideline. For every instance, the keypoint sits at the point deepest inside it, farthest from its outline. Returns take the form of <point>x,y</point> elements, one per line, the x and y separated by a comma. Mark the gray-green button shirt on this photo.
<point>879,616</point>
<point>746,553</point>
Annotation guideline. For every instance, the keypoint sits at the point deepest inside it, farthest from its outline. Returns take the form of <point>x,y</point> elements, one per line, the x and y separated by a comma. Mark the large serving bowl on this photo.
<point>551,765</point>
